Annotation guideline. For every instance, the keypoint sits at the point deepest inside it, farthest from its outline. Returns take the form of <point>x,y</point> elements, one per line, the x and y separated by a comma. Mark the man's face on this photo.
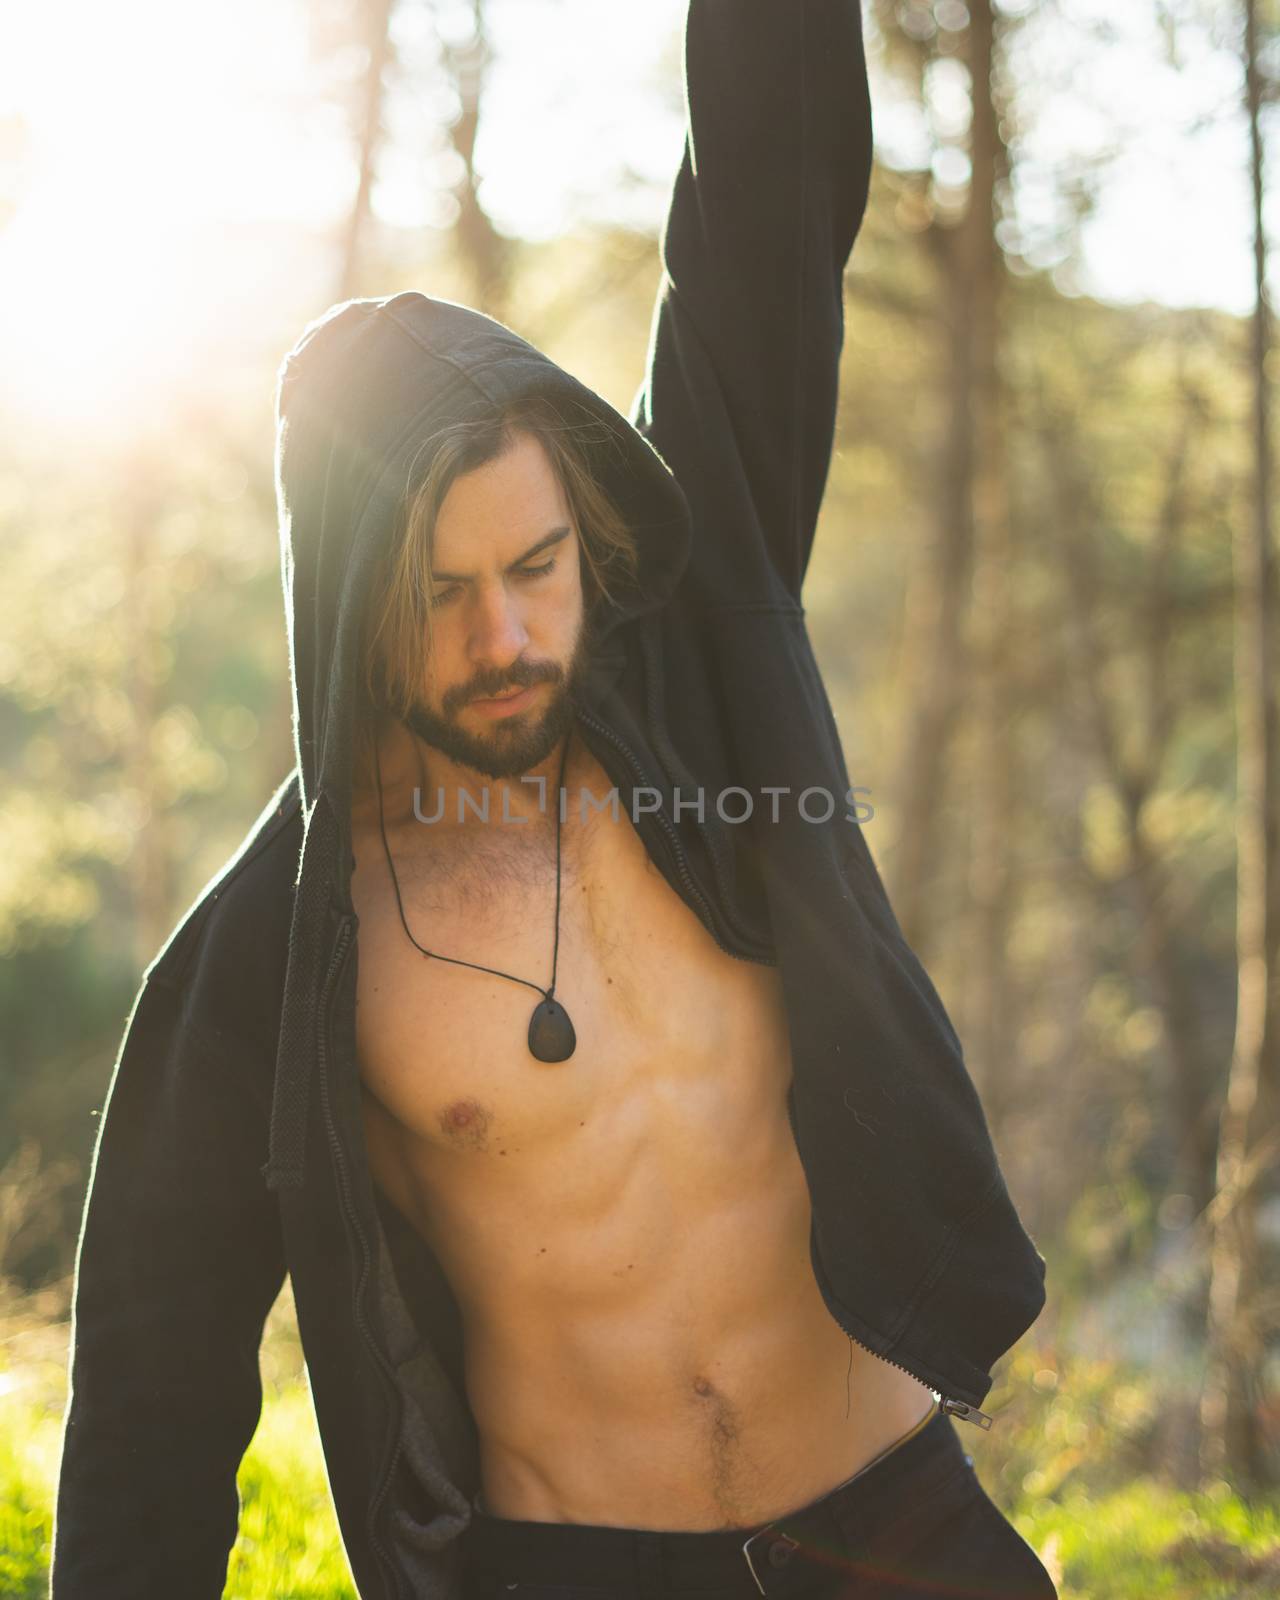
<point>508,636</point>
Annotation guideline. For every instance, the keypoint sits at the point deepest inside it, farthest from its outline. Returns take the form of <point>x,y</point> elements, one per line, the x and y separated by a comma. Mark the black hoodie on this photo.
<point>232,1149</point>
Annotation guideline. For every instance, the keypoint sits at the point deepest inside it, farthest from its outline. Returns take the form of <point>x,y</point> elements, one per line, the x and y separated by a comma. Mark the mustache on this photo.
<point>486,685</point>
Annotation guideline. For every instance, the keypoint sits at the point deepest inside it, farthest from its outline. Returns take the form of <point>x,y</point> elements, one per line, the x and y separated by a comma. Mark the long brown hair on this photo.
<point>399,611</point>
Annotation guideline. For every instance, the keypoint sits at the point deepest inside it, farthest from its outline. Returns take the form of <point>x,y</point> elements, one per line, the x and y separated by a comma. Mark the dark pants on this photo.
<point>913,1525</point>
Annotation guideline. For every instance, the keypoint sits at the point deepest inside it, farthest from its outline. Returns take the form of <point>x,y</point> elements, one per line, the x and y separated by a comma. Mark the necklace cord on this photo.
<point>560,802</point>
<point>476,966</point>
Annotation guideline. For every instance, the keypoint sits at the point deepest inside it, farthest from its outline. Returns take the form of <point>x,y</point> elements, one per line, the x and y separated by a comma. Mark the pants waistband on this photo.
<point>609,1557</point>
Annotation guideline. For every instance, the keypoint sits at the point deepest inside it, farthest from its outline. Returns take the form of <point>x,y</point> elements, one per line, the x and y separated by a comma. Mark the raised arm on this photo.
<point>740,389</point>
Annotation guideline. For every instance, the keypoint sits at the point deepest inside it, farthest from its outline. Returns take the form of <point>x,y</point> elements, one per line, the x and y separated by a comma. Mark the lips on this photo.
<point>498,705</point>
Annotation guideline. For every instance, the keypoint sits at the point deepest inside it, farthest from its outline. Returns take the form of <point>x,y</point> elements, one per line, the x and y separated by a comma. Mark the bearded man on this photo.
<point>552,1029</point>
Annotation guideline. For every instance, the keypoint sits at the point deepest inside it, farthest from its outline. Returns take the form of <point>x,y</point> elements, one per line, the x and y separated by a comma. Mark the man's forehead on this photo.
<point>494,513</point>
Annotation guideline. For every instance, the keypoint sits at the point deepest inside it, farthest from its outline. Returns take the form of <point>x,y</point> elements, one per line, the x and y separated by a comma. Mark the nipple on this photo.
<point>465,1123</point>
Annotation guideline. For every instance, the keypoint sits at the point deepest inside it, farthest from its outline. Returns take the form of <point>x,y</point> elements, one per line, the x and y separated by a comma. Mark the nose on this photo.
<point>497,634</point>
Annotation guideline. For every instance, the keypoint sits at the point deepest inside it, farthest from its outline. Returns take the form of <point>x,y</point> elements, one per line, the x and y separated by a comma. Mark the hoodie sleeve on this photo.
<point>179,1261</point>
<point>740,389</point>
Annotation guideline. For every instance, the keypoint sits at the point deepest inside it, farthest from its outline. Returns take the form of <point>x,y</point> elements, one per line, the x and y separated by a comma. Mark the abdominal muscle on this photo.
<point>626,1232</point>
<point>642,1352</point>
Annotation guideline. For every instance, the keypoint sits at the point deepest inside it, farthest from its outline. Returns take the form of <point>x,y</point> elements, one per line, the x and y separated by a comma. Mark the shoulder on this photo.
<point>227,955</point>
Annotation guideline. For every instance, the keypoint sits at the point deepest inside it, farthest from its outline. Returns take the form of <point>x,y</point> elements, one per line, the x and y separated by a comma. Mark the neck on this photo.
<point>420,783</point>
<point>458,796</point>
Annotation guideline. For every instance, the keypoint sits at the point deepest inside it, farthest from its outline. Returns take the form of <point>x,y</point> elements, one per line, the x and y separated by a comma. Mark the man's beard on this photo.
<point>517,743</point>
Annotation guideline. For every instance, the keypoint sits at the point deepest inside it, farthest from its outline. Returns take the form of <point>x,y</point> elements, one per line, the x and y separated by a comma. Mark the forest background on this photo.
<point>1043,597</point>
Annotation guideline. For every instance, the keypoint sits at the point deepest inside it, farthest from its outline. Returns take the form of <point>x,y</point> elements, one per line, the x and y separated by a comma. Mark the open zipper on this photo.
<point>960,1409</point>
<point>366,1261</point>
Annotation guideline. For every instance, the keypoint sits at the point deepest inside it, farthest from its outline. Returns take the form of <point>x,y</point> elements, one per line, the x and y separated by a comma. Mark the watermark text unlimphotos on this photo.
<point>733,805</point>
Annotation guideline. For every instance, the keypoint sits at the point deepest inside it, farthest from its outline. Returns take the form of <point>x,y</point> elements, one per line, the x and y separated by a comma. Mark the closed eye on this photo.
<point>442,597</point>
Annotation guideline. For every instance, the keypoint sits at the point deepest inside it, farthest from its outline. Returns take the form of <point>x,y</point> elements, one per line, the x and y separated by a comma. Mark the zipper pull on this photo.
<point>965,1413</point>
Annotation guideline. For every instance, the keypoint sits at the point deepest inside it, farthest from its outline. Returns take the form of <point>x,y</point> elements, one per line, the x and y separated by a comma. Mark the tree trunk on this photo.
<point>1231,1442</point>
<point>934,645</point>
<point>989,1014</point>
<point>485,253</point>
<point>1132,768</point>
<point>376,15</point>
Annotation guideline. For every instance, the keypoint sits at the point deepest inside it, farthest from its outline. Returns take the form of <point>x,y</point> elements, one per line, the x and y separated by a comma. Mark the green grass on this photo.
<point>1151,1541</point>
<point>288,1544</point>
<point>288,1548</point>
<point>1069,1464</point>
<point>25,1525</point>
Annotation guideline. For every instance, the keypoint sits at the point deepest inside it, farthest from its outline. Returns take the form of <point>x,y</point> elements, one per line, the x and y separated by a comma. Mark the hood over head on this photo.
<point>358,394</point>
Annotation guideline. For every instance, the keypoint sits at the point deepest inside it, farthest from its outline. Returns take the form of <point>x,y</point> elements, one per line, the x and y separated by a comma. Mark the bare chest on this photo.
<point>670,1029</point>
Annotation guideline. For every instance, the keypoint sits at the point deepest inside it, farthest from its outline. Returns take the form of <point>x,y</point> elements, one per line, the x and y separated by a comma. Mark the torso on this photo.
<point>627,1231</point>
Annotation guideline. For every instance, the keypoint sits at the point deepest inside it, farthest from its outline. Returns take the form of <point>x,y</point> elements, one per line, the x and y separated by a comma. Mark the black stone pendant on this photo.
<point>551,1035</point>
